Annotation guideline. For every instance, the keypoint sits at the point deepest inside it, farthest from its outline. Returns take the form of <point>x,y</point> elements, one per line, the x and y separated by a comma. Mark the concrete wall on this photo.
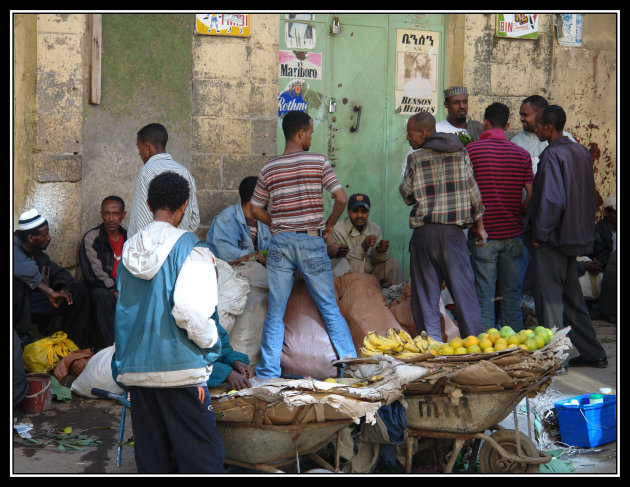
<point>580,79</point>
<point>234,111</point>
<point>146,65</point>
<point>217,96</point>
<point>48,129</point>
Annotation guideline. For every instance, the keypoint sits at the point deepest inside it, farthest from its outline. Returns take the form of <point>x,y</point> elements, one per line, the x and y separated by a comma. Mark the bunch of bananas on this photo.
<point>397,343</point>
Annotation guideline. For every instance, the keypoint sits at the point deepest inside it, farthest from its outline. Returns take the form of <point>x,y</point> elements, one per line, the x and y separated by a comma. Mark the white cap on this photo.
<point>30,219</point>
<point>610,202</point>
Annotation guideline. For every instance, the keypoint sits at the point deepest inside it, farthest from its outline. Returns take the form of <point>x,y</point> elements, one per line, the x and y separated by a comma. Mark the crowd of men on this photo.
<point>488,216</point>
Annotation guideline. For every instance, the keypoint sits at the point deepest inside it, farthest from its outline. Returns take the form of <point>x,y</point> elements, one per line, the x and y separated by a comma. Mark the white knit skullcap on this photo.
<point>611,202</point>
<point>30,219</point>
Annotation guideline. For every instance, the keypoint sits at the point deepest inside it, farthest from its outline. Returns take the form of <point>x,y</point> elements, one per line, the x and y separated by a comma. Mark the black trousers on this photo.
<point>103,304</point>
<point>175,431</point>
<point>74,318</point>
<point>559,300</point>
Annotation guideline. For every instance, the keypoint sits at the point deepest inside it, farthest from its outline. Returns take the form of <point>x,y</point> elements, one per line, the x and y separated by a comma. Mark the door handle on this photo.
<point>356,127</point>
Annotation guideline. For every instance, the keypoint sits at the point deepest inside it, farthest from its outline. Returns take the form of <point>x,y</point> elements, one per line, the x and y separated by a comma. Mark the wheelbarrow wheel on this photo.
<point>492,461</point>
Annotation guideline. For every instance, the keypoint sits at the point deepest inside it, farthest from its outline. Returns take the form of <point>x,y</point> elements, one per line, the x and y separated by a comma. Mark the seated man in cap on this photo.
<point>366,250</point>
<point>42,288</point>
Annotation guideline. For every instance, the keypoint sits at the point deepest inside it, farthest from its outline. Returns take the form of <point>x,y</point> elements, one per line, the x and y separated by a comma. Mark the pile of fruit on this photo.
<point>399,344</point>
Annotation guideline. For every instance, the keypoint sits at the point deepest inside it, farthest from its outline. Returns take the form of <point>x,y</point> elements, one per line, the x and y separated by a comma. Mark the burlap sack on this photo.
<point>307,350</point>
<point>363,305</point>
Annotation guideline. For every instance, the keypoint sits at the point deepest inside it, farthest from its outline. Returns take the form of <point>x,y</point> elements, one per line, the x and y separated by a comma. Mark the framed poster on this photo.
<point>517,26</point>
<point>416,71</point>
<point>237,25</point>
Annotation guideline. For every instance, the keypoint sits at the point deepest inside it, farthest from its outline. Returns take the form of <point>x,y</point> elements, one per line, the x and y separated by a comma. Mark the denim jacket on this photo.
<point>229,237</point>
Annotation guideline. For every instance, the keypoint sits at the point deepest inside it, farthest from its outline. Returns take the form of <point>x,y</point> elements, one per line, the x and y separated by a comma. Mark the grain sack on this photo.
<point>307,349</point>
<point>362,304</point>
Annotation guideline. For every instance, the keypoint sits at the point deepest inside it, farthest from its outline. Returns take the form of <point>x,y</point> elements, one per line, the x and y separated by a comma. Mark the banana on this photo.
<point>392,334</point>
<point>368,346</point>
<point>406,337</point>
<point>421,343</point>
<point>368,353</point>
<point>406,354</point>
<point>411,347</point>
<point>383,343</point>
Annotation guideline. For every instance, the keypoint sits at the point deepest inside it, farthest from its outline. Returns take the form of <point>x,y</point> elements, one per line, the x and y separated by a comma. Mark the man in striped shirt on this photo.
<point>292,184</point>
<point>151,142</point>
<point>502,169</point>
<point>440,185</point>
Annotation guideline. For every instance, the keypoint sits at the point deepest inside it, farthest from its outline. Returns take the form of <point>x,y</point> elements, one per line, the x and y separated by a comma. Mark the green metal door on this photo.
<point>351,96</point>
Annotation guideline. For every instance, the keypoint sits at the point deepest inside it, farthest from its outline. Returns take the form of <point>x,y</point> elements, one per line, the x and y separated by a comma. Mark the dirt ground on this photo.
<point>100,418</point>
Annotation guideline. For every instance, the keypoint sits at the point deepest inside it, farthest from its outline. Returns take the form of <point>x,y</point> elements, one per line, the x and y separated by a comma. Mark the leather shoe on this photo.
<point>580,362</point>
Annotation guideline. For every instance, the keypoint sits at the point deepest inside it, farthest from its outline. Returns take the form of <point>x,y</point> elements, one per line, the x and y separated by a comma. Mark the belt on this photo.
<point>311,233</point>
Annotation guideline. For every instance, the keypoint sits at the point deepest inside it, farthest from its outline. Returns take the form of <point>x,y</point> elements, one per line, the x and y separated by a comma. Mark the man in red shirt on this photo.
<point>502,169</point>
<point>99,255</point>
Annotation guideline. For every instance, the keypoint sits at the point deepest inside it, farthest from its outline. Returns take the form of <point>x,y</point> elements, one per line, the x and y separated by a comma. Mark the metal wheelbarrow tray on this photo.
<point>266,447</point>
<point>504,451</point>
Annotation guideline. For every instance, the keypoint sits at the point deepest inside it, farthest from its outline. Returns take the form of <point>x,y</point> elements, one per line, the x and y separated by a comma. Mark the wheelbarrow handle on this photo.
<point>111,395</point>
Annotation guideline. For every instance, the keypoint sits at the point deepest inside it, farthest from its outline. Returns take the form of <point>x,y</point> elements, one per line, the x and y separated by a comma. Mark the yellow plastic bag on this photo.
<point>43,355</point>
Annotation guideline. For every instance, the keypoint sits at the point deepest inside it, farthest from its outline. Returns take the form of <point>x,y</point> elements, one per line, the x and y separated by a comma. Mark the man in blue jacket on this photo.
<point>235,235</point>
<point>166,338</point>
<point>559,226</point>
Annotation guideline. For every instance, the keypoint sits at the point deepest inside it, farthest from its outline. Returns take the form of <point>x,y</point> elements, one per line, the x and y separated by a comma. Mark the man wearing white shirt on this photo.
<point>456,104</point>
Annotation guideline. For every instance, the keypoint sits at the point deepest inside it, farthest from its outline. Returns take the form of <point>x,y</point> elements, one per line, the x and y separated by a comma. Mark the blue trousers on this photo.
<point>175,431</point>
<point>289,251</point>
<point>498,265</point>
<point>438,253</point>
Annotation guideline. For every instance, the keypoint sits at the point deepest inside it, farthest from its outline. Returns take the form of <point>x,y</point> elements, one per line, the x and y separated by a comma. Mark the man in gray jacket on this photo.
<point>559,226</point>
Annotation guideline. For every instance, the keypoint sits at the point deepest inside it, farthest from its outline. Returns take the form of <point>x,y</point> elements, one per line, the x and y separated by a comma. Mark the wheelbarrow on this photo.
<point>266,447</point>
<point>503,451</point>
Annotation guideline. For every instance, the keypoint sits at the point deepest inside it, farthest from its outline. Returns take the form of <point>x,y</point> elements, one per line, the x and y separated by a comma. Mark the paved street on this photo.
<point>101,418</point>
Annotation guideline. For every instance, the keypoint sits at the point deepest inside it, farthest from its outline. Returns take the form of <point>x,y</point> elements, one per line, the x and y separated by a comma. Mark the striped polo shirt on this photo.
<point>293,184</point>
<point>501,169</point>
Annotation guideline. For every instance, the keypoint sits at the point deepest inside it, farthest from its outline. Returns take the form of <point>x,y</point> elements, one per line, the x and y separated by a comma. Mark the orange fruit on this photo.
<point>494,336</point>
<point>485,343</point>
<point>514,340</point>
<point>470,341</point>
<point>540,340</point>
<point>488,350</point>
<point>447,350</point>
<point>531,344</point>
<point>492,330</point>
<point>500,346</point>
<point>502,341</point>
<point>523,346</point>
<point>456,343</point>
<point>474,349</point>
<point>460,351</point>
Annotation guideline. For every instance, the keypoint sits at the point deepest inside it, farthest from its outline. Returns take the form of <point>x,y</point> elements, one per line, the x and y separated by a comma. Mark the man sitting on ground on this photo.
<point>235,235</point>
<point>42,288</point>
<point>366,250</point>
<point>99,254</point>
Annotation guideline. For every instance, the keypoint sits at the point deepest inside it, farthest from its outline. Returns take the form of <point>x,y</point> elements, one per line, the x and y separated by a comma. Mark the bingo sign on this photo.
<point>517,26</point>
<point>223,24</point>
<point>291,98</point>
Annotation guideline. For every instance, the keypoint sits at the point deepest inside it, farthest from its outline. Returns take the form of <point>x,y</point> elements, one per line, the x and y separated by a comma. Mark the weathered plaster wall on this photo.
<point>234,111</point>
<point>590,99</point>
<point>24,108</point>
<point>580,79</point>
<point>145,78</point>
<point>47,165</point>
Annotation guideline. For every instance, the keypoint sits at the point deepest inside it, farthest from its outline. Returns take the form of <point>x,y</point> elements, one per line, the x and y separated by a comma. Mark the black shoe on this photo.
<point>580,362</point>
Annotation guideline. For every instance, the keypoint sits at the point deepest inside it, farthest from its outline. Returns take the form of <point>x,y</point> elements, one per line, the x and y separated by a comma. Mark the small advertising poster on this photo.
<point>416,71</point>
<point>291,98</point>
<point>237,25</point>
<point>299,64</point>
<point>517,26</point>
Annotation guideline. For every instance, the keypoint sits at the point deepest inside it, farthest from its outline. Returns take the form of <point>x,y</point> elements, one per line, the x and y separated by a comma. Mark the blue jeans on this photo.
<point>289,251</point>
<point>498,266</point>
